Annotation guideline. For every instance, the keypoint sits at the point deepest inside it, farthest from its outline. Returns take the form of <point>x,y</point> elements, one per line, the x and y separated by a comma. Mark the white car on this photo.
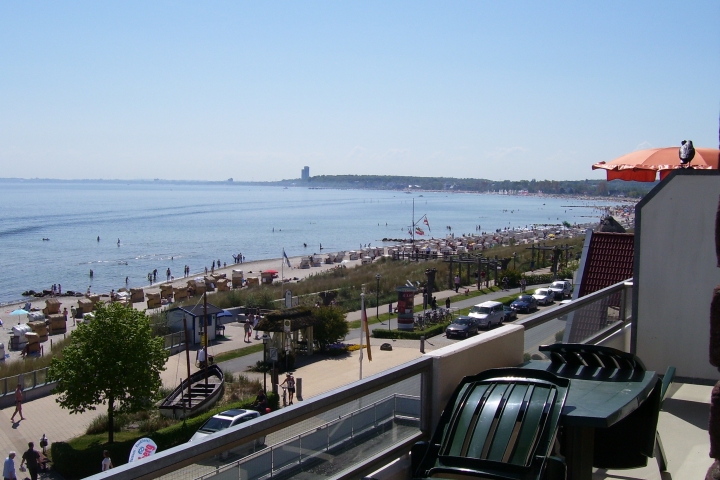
<point>488,314</point>
<point>544,296</point>
<point>229,419</point>
<point>561,289</point>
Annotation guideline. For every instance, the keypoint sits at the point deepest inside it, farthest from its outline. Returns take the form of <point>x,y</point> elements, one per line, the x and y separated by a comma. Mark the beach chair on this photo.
<point>501,423</point>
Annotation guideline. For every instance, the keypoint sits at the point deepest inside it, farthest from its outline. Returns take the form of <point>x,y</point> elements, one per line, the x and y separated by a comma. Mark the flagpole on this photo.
<point>282,267</point>
<point>362,328</point>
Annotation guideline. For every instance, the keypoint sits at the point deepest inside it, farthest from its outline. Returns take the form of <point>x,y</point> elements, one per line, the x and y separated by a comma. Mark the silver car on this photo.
<point>544,296</point>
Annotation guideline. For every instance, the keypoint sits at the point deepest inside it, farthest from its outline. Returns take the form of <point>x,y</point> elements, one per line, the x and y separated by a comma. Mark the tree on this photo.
<point>113,360</point>
<point>332,326</point>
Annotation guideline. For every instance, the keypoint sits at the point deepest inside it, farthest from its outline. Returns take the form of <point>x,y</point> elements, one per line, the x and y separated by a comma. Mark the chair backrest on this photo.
<point>592,356</point>
<point>500,423</point>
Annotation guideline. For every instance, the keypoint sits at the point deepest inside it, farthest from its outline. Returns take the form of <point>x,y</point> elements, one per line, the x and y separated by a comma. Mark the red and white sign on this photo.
<point>142,448</point>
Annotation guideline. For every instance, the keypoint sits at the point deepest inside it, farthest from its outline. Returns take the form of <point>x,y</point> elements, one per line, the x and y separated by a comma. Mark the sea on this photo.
<point>55,232</point>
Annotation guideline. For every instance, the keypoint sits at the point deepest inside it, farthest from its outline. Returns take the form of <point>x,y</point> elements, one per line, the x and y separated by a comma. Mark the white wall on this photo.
<point>675,273</point>
<point>500,347</point>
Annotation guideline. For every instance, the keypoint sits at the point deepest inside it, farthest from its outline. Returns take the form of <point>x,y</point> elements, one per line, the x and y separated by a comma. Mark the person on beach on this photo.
<point>98,238</point>
<point>9,467</point>
<point>18,403</point>
<point>59,289</point>
<point>106,462</point>
<point>167,274</point>
<point>126,281</point>
<point>290,386</point>
<point>31,457</point>
<point>91,273</point>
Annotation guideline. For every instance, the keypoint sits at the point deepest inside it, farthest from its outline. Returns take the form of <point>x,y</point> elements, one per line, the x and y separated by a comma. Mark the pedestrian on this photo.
<point>9,467</point>
<point>523,284</point>
<point>290,386</point>
<point>73,313</point>
<point>248,331</point>
<point>18,403</point>
<point>505,283</point>
<point>256,319</point>
<point>433,304</point>
<point>106,462</point>
<point>457,283</point>
<point>31,457</point>
<point>447,303</point>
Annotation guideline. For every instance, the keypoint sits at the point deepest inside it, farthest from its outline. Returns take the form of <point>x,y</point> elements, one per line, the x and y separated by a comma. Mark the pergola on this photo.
<point>290,329</point>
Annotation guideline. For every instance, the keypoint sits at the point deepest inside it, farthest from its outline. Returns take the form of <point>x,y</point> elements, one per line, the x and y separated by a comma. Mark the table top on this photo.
<point>599,397</point>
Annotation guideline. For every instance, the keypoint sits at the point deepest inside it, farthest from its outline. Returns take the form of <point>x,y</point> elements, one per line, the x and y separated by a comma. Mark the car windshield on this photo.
<point>541,291</point>
<point>558,285</point>
<point>524,298</point>
<point>462,321</point>
<point>477,309</point>
<point>215,424</point>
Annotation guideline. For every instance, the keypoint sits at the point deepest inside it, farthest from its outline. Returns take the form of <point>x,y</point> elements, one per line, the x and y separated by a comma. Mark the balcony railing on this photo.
<point>357,429</point>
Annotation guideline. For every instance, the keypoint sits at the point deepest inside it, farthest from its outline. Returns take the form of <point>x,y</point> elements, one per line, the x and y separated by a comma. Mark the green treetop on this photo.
<point>113,360</point>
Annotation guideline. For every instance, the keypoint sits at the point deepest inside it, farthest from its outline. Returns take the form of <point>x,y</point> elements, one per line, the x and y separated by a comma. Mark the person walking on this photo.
<point>248,331</point>
<point>457,283</point>
<point>290,380</point>
<point>18,403</point>
<point>106,462</point>
<point>256,319</point>
<point>523,284</point>
<point>31,457</point>
<point>504,283</point>
<point>9,467</point>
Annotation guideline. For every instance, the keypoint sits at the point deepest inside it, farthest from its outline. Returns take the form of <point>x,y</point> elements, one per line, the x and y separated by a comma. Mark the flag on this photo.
<point>419,231</point>
<point>365,325</point>
<point>287,260</point>
<point>427,223</point>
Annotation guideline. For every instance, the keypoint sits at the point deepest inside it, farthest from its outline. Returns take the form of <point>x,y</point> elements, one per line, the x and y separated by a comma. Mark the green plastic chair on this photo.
<point>499,424</point>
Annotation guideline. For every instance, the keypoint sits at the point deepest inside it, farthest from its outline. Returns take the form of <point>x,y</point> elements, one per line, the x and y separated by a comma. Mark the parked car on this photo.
<point>561,289</point>
<point>510,314</point>
<point>544,296</point>
<point>462,327</point>
<point>229,419</point>
<point>488,314</point>
<point>524,304</point>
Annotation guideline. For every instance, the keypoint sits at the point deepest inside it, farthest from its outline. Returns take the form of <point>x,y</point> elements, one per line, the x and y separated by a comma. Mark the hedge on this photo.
<point>432,331</point>
<point>74,463</point>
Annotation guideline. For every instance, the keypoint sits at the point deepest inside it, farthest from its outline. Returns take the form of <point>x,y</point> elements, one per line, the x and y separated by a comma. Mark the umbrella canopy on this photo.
<point>19,311</point>
<point>271,272</point>
<point>643,165</point>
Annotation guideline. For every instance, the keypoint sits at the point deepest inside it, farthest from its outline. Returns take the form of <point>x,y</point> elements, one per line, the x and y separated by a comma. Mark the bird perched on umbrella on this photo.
<point>687,152</point>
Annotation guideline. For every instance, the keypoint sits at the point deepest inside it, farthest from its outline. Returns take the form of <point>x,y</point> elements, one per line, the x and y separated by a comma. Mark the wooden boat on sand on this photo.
<point>201,396</point>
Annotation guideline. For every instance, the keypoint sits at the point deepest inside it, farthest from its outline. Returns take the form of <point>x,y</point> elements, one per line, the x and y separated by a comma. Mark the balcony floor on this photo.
<point>683,429</point>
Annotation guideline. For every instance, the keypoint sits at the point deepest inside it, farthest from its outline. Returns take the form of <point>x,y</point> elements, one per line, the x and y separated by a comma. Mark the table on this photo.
<point>597,398</point>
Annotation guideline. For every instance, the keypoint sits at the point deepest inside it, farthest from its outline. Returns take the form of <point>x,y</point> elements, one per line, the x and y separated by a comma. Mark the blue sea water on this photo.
<point>163,225</point>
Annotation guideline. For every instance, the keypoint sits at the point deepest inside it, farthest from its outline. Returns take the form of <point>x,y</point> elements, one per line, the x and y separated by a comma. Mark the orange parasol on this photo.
<point>643,165</point>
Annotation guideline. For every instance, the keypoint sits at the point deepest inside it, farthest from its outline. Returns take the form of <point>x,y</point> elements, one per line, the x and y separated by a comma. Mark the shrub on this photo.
<point>411,335</point>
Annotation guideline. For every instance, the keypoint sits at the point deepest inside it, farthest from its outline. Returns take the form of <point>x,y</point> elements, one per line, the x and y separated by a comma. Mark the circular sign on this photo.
<point>142,448</point>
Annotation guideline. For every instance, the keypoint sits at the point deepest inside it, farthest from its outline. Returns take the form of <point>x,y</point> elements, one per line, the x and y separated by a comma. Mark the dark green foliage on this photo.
<point>414,335</point>
<point>332,326</point>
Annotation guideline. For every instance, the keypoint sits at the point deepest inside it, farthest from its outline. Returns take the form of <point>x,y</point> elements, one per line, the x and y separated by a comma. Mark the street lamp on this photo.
<point>377,299</point>
<point>265,339</point>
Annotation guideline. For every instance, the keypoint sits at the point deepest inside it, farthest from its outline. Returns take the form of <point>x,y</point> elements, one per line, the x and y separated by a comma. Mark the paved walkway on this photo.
<point>318,373</point>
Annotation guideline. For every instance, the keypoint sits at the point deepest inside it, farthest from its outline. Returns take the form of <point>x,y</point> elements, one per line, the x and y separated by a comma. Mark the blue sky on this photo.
<point>255,91</point>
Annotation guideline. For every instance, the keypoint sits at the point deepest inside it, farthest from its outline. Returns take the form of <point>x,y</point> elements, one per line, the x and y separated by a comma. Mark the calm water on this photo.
<point>164,226</point>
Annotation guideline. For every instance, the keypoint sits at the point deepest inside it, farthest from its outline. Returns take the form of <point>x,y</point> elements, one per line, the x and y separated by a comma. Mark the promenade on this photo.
<point>319,374</point>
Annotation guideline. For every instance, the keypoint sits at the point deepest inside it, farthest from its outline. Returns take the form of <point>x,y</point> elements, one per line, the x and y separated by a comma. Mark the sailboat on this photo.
<point>201,390</point>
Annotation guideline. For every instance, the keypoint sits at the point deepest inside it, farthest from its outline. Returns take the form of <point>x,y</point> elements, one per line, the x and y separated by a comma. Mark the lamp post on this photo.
<point>265,339</point>
<point>377,299</point>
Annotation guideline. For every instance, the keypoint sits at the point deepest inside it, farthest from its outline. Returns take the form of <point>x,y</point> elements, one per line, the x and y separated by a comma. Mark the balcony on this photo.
<point>368,427</point>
